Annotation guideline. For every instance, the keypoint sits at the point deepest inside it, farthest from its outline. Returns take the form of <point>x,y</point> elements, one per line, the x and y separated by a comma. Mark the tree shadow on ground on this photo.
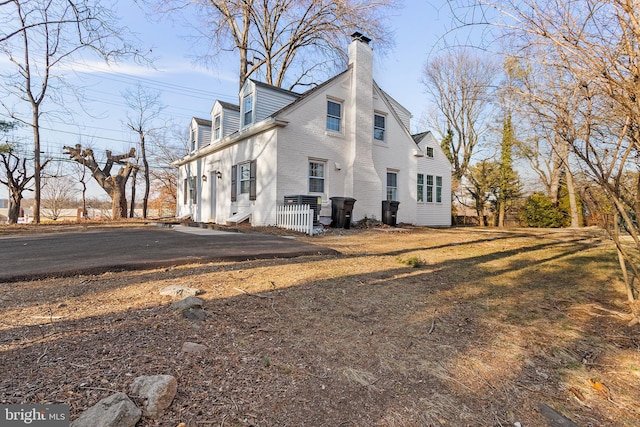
<point>478,336</point>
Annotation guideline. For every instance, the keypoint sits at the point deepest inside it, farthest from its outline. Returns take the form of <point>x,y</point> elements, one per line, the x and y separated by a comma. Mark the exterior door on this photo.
<point>212,201</point>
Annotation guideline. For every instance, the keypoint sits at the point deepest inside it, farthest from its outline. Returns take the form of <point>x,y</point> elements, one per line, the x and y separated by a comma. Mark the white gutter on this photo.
<point>234,138</point>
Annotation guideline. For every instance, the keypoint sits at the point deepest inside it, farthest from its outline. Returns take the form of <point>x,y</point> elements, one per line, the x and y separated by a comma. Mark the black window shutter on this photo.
<point>252,180</point>
<point>234,182</point>
<point>185,191</point>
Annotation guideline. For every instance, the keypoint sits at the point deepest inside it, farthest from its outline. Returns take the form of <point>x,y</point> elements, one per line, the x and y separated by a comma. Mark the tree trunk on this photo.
<point>132,209</point>
<point>36,164</point>
<point>147,179</point>
<point>573,203</point>
<point>14,208</point>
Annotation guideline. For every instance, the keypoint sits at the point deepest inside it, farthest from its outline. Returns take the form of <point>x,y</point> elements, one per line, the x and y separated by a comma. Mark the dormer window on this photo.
<point>247,109</point>
<point>216,127</point>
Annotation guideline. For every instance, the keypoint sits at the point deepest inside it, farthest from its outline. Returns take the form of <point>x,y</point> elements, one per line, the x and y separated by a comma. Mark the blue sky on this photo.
<point>189,90</point>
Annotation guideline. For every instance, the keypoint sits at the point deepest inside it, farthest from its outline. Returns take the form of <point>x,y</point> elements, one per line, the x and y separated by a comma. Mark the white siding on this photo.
<point>403,113</point>
<point>204,136</point>
<point>433,213</point>
<point>230,122</point>
<point>268,101</point>
<point>356,165</point>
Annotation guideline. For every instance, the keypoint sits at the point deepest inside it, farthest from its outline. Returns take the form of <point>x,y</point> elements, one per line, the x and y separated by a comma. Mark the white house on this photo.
<point>343,138</point>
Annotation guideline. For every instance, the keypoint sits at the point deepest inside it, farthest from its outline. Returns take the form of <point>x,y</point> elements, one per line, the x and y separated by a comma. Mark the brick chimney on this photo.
<point>362,180</point>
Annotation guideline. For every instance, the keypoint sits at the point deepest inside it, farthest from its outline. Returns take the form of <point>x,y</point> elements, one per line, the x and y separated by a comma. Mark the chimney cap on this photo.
<point>360,37</point>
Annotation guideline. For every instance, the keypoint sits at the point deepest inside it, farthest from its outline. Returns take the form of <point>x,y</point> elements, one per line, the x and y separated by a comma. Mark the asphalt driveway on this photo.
<point>26,257</point>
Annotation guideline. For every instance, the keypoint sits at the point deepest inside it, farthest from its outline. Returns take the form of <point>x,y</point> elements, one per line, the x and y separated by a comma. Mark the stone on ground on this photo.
<point>156,392</point>
<point>116,410</point>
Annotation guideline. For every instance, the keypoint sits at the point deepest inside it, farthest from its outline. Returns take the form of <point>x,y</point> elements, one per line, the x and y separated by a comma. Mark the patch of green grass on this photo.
<point>413,261</point>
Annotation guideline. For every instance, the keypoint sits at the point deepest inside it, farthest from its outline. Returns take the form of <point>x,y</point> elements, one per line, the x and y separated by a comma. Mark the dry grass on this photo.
<point>484,328</point>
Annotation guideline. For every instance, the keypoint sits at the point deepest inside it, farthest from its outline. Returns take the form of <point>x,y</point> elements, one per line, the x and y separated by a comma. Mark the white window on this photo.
<point>379,127</point>
<point>334,116</point>
<point>245,178</point>
<point>430,188</point>
<point>438,189</point>
<point>216,127</point>
<point>247,108</point>
<point>420,196</point>
<point>192,190</point>
<point>430,152</point>
<point>316,176</point>
<point>392,186</point>
<point>193,139</point>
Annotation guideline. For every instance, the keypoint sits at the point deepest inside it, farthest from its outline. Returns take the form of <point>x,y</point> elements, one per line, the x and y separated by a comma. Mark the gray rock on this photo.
<point>187,303</point>
<point>180,291</point>
<point>192,347</point>
<point>156,392</point>
<point>194,314</point>
<point>116,410</point>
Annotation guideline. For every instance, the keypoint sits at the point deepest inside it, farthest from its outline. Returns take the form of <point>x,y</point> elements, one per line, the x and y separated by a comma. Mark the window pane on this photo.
<point>248,110</point>
<point>316,177</point>
<point>392,186</point>
<point>333,124</point>
<point>334,116</point>
<point>378,127</point>
<point>429,151</point>
<point>245,178</point>
<point>333,109</point>
<point>316,185</point>
<point>420,190</point>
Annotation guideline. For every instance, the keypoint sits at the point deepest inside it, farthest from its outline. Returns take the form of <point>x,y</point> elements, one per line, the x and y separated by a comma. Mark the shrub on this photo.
<point>539,211</point>
<point>413,261</point>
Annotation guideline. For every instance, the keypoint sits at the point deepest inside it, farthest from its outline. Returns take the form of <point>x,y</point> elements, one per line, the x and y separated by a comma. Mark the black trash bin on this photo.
<point>389,212</point>
<point>341,210</point>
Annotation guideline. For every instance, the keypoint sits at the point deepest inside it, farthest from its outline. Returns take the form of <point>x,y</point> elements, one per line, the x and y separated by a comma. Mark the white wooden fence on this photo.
<point>295,217</point>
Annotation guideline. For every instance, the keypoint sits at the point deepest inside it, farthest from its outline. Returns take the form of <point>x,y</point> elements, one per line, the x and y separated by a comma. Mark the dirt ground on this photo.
<point>416,327</point>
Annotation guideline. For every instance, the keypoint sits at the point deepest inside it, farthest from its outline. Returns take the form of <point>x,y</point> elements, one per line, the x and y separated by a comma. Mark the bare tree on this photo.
<point>483,182</point>
<point>169,145</point>
<point>37,37</point>
<point>58,193</point>
<point>596,45</point>
<point>460,84</point>
<point>114,185</point>
<point>17,178</point>
<point>272,37</point>
<point>144,110</point>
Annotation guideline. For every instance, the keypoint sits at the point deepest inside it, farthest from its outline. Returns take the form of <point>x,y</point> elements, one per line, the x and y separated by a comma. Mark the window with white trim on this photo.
<point>420,181</point>
<point>392,186</point>
<point>429,188</point>
<point>334,116</point>
<point>430,152</point>
<point>438,189</point>
<point>247,109</point>
<point>193,139</point>
<point>216,127</point>
<point>245,177</point>
<point>379,127</point>
<point>192,190</point>
<point>316,176</point>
